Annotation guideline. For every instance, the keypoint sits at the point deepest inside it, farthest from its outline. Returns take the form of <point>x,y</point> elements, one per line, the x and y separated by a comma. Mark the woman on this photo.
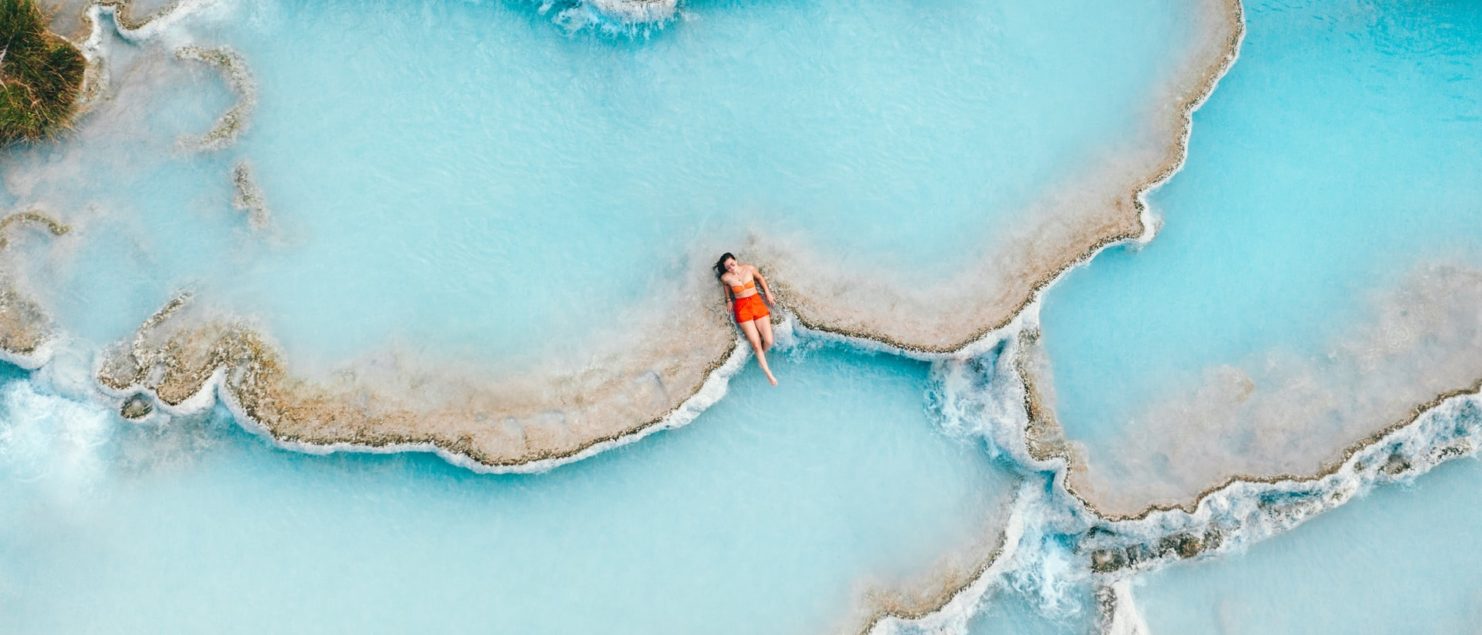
<point>747,304</point>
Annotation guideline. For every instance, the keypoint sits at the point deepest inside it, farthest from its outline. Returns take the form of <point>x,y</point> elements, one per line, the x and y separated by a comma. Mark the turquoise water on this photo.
<point>1337,158</point>
<point>465,178</point>
<point>1013,613</point>
<point>771,513</point>
<point>470,181</point>
<point>1395,561</point>
<point>1339,151</point>
<point>139,207</point>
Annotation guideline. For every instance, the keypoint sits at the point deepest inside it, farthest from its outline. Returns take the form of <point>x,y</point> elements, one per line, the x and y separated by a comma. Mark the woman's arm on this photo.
<point>725,290</point>
<point>766,290</point>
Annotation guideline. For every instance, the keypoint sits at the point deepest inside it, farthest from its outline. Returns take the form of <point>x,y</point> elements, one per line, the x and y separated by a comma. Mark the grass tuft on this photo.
<point>40,74</point>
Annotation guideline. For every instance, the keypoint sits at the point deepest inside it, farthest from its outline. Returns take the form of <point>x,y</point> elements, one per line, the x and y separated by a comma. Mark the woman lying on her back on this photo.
<point>749,304</point>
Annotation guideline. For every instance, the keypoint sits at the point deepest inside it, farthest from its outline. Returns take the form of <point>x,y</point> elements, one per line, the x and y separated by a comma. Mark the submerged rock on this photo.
<point>1395,465</point>
<point>1138,553</point>
<point>1213,538</point>
<point>135,408</point>
<point>1189,546</point>
<point>1181,545</point>
<point>1460,448</point>
<point>1107,560</point>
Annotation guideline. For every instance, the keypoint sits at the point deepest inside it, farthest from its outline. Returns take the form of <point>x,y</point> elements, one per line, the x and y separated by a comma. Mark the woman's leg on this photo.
<point>764,329</point>
<point>749,328</point>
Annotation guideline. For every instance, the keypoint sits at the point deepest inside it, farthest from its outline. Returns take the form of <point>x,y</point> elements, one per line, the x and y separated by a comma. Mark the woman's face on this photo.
<point>730,265</point>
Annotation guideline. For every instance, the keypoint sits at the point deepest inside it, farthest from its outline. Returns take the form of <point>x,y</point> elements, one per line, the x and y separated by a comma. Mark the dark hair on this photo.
<point>720,265</point>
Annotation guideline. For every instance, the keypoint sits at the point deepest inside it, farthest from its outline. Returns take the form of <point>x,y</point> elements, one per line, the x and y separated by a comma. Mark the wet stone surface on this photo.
<point>135,408</point>
<point>1395,465</point>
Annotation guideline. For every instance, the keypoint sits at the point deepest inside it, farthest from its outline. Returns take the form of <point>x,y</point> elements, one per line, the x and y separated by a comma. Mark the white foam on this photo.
<point>1280,412</point>
<point>1052,534</point>
<point>51,439</point>
<point>953,617</point>
<point>984,396</point>
<point>1124,618</point>
<point>33,360</point>
<point>711,391</point>
<point>978,397</point>
<point>161,26</point>
<point>169,27</point>
<point>635,17</point>
<point>1252,511</point>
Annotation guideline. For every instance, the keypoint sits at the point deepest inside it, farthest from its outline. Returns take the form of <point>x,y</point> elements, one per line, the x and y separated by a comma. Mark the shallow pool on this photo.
<point>776,511</point>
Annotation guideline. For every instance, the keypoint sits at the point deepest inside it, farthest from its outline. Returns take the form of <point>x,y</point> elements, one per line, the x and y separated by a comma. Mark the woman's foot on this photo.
<point>771,378</point>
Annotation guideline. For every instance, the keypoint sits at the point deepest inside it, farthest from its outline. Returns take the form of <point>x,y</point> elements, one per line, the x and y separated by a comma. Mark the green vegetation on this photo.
<point>40,74</point>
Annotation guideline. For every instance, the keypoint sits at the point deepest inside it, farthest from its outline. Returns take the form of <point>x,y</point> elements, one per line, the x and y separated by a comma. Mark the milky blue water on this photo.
<point>1009,612</point>
<point>469,176</point>
<point>1339,152</point>
<point>1395,561</point>
<point>773,512</point>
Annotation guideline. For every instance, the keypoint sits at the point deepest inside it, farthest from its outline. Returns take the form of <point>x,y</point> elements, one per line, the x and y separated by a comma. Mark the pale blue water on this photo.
<point>1396,561</point>
<point>1012,613</point>
<point>768,514</point>
<point>1340,151</point>
<point>468,176</point>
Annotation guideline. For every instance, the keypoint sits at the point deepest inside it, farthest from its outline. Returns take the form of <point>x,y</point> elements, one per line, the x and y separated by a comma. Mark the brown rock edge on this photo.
<point>179,363</point>
<point>822,301</point>
<point>506,426</point>
<point>24,326</point>
<point>1053,447</point>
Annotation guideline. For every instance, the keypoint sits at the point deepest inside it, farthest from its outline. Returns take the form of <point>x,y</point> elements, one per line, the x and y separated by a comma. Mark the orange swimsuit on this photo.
<point>750,307</point>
